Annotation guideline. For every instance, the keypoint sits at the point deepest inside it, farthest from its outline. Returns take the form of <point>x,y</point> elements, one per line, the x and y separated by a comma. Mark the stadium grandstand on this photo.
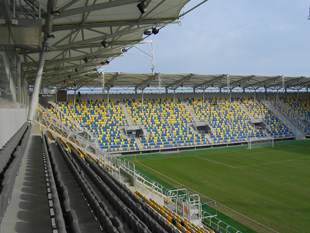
<point>63,150</point>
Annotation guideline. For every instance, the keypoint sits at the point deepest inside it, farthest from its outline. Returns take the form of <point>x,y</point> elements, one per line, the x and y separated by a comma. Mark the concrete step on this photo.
<point>126,114</point>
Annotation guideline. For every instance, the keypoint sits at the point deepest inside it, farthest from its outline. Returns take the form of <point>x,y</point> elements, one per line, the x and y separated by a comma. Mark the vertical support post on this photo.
<point>174,101</point>
<point>297,98</point>
<point>19,80</point>
<point>203,99</point>
<point>37,85</point>
<point>255,99</point>
<point>142,102</point>
<point>74,98</point>
<point>8,71</point>
<point>230,100</point>
<point>102,76</point>
<point>108,110</point>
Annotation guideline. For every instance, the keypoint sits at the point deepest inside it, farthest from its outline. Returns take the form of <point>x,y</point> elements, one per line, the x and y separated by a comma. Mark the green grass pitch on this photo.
<point>269,185</point>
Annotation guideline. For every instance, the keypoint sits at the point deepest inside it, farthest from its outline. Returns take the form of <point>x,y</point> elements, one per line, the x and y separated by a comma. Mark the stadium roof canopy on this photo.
<point>84,35</point>
<point>140,81</point>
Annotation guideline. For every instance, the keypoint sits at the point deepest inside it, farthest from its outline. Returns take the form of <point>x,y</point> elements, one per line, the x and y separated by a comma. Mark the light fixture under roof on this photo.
<point>142,8</point>
<point>155,31</point>
<point>85,59</point>
<point>147,33</point>
<point>76,70</point>
<point>104,43</point>
<point>55,13</point>
<point>124,50</point>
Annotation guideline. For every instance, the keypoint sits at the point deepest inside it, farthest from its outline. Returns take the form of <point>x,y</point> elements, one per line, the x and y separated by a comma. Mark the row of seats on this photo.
<point>11,156</point>
<point>96,183</point>
<point>67,215</point>
<point>129,204</point>
<point>226,117</point>
<point>58,222</point>
<point>93,201</point>
<point>94,116</point>
<point>299,107</point>
<point>173,218</point>
<point>257,109</point>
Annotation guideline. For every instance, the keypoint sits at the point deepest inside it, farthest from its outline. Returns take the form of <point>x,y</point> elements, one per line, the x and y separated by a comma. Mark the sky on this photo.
<point>240,37</point>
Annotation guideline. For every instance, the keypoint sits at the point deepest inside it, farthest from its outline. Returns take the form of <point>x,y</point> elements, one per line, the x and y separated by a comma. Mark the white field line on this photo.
<point>213,161</point>
<point>209,198</point>
<point>280,161</point>
<point>159,173</point>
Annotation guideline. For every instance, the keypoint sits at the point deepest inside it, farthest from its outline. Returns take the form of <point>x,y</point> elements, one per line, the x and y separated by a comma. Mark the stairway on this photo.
<point>243,108</point>
<point>126,114</point>
<point>190,111</point>
<point>291,126</point>
<point>129,121</point>
<point>197,121</point>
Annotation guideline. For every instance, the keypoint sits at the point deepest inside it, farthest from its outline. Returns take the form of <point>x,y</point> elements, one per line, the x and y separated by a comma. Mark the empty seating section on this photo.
<point>228,120</point>
<point>171,217</point>
<point>107,204</point>
<point>301,107</point>
<point>166,127</point>
<point>92,114</point>
<point>11,156</point>
<point>257,109</point>
<point>61,117</point>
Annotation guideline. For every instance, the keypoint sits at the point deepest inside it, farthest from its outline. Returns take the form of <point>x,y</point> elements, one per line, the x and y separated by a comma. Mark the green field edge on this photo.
<point>204,150</point>
<point>239,226</point>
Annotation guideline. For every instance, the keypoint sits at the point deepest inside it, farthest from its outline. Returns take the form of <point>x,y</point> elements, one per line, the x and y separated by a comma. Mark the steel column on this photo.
<point>37,85</point>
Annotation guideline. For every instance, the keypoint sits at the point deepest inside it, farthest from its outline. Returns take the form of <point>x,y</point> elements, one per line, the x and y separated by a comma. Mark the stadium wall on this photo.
<point>11,120</point>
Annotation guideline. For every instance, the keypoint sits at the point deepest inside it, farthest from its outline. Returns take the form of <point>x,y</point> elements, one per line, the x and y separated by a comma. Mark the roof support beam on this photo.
<point>208,83</point>
<point>109,84</point>
<point>145,83</point>
<point>176,84</point>
<point>115,24</point>
<point>98,38</point>
<point>96,7</point>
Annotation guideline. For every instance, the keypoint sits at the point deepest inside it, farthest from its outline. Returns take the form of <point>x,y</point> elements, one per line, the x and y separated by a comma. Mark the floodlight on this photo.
<point>85,60</point>
<point>147,33</point>
<point>142,8</point>
<point>55,13</point>
<point>104,43</point>
<point>76,70</point>
<point>155,31</point>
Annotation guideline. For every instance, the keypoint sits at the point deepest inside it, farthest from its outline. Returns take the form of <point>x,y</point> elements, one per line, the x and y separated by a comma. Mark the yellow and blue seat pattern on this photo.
<point>259,110</point>
<point>105,127</point>
<point>166,127</point>
<point>227,119</point>
<point>301,107</point>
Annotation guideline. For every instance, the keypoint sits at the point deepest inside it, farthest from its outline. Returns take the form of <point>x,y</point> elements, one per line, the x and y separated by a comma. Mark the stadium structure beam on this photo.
<point>38,81</point>
<point>100,38</point>
<point>84,46</point>
<point>236,83</point>
<point>98,54</point>
<point>9,75</point>
<point>176,84</point>
<point>109,83</point>
<point>262,83</point>
<point>95,7</point>
<point>145,83</point>
<point>115,24</point>
<point>209,83</point>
